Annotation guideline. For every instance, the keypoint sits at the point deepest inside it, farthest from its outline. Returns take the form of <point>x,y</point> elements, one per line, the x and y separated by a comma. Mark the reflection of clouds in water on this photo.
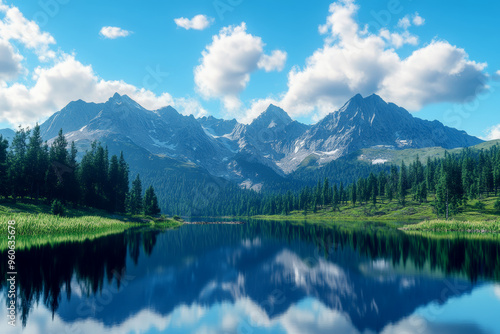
<point>417,324</point>
<point>497,291</point>
<point>244,316</point>
<point>247,243</point>
<point>323,273</point>
<point>41,322</point>
<point>319,319</point>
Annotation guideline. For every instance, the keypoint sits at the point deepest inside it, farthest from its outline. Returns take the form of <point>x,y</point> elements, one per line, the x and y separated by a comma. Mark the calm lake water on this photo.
<point>260,277</point>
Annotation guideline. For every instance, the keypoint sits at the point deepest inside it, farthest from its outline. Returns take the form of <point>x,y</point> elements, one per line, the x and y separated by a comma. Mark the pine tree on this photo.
<point>402,184</point>
<point>114,184</point>
<point>353,194</point>
<point>17,163</point>
<point>135,198</point>
<point>123,184</point>
<point>151,207</point>
<point>4,177</point>
<point>36,163</point>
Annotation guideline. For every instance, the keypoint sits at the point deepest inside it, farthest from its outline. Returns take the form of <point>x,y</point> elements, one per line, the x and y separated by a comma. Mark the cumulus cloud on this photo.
<point>199,22</point>
<point>66,81</point>
<point>14,26</point>
<point>496,76</point>
<point>275,62</point>
<point>189,106</point>
<point>355,61</point>
<point>418,20</point>
<point>405,22</point>
<point>439,72</point>
<point>113,32</point>
<point>227,63</point>
<point>10,61</point>
<point>408,20</point>
<point>492,134</point>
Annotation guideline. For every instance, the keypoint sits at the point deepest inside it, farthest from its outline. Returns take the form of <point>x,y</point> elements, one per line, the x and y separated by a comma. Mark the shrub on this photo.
<point>497,205</point>
<point>479,205</point>
<point>177,218</point>
<point>57,208</point>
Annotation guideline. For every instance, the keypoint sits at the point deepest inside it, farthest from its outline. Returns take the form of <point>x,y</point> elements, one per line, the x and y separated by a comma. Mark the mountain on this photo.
<point>257,155</point>
<point>370,122</point>
<point>126,126</point>
<point>269,138</point>
<point>217,127</point>
<point>7,134</point>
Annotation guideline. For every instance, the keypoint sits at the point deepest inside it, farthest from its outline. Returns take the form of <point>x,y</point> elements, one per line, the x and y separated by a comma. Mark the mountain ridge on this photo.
<point>269,148</point>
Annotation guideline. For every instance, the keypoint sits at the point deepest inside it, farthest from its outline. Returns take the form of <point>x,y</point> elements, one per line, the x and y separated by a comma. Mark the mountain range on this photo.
<point>271,147</point>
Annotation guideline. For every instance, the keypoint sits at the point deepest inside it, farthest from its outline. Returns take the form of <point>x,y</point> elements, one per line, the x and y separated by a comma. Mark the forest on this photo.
<point>447,183</point>
<point>33,169</point>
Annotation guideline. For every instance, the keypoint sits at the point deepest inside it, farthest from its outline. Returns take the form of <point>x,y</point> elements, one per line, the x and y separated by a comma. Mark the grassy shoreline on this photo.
<point>439,225</point>
<point>36,226</point>
<point>412,217</point>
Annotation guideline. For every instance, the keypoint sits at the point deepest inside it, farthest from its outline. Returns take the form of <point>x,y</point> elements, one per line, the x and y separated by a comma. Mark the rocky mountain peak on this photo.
<point>123,100</point>
<point>272,117</point>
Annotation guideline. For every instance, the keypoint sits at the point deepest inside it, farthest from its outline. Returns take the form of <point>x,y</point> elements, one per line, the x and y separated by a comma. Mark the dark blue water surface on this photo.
<point>260,277</point>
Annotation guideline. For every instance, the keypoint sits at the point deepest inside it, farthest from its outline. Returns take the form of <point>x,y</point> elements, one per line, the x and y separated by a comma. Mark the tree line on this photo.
<point>31,168</point>
<point>448,183</point>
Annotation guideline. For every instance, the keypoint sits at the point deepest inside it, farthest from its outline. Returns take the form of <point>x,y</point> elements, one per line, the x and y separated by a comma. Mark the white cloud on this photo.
<point>10,61</point>
<point>438,72</point>
<point>496,76</point>
<point>275,62</point>
<point>353,61</point>
<point>492,134</point>
<point>398,40</point>
<point>66,81</point>
<point>14,26</point>
<point>189,106</point>
<point>256,108</point>
<point>418,20</point>
<point>405,22</point>
<point>114,32</point>
<point>199,22</point>
<point>227,63</point>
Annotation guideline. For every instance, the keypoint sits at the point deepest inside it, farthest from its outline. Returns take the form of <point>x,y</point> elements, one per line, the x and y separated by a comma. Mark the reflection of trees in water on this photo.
<point>44,272</point>
<point>474,257</point>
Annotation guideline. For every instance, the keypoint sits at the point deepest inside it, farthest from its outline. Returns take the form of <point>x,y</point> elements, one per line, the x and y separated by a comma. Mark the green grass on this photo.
<point>455,226</point>
<point>392,212</point>
<point>36,226</point>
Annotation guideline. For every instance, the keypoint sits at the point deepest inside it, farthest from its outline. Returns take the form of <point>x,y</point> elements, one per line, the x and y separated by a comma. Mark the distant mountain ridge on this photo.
<point>269,148</point>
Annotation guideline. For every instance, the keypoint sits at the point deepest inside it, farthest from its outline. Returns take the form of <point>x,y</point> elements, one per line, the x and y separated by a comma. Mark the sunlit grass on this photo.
<point>35,226</point>
<point>455,226</point>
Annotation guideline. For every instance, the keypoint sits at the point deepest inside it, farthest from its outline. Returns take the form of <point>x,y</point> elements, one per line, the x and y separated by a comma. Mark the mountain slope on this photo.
<point>258,155</point>
<point>368,122</point>
<point>7,134</point>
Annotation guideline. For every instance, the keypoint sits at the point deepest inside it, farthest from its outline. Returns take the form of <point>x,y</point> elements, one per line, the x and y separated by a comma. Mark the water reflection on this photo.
<point>257,277</point>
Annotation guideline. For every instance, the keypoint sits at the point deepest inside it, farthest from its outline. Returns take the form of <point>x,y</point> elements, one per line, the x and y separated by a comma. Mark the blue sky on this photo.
<point>243,55</point>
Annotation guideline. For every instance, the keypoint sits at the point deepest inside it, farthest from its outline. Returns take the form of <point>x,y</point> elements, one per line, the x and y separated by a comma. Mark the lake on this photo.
<point>260,277</point>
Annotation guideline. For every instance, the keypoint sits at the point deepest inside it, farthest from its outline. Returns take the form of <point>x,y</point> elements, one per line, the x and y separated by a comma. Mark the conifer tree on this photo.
<point>151,207</point>
<point>135,198</point>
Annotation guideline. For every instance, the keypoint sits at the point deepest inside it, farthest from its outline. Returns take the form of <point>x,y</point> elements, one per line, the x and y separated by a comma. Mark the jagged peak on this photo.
<point>124,99</point>
<point>273,114</point>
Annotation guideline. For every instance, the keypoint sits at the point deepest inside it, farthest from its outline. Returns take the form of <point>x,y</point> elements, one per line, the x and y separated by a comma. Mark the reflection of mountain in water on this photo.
<point>376,277</point>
